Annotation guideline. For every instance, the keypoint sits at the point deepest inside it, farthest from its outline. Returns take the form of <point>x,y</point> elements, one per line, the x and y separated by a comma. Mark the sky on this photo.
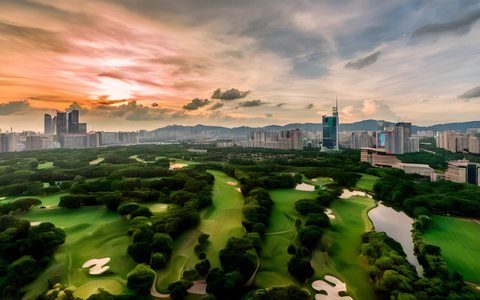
<point>145,64</point>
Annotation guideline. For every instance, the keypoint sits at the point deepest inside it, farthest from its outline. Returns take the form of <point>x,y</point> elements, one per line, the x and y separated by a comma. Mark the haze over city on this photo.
<point>146,64</point>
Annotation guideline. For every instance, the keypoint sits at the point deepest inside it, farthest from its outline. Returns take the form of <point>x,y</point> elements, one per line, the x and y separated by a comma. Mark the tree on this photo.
<point>300,268</point>
<point>111,200</point>
<point>128,209</point>
<point>140,252</point>
<point>158,260</point>
<point>162,243</point>
<point>141,279</point>
<point>309,236</point>
<point>24,204</point>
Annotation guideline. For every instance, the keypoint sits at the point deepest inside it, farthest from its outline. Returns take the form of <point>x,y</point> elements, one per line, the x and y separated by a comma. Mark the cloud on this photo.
<point>459,26</point>
<point>370,109</point>
<point>14,107</point>
<point>471,93</point>
<point>252,103</point>
<point>196,104</point>
<point>310,106</point>
<point>33,38</point>
<point>216,106</point>
<point>280,104</point>
<point>228,95</point>
<point>268,115</point>
<point>363,62</point>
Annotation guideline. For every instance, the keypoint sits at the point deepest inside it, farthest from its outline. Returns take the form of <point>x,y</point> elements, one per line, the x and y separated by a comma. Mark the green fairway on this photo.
<point>92,232</point>
<point>280,233</point>
<point>347,227</point>
<point>221,220</point>
<point>366,182</point>
<point>460,243</point>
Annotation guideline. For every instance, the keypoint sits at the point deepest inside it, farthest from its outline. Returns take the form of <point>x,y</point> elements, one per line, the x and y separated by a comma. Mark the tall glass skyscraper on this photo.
<point>331,129</point>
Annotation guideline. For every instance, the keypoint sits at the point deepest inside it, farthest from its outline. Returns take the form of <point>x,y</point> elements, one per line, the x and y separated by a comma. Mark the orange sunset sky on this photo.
<point>144,64</point>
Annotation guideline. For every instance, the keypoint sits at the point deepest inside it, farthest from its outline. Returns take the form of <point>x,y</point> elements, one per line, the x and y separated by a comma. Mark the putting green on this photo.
<point>46,165</point>
<point>92,232</point>
<point>460,244</point>
<point>366,182</point>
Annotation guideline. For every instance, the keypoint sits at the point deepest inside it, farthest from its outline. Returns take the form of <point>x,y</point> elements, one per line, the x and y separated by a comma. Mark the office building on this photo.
<point>62,126</point>
<point>463,171</point>
<point>331,129</point>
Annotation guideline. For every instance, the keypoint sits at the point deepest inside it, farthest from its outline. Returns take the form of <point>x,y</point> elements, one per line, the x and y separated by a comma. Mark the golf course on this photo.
<point>92,233</point>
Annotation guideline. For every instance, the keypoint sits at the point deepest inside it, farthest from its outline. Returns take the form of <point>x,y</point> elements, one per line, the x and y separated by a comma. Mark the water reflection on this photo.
<point>397,225</point>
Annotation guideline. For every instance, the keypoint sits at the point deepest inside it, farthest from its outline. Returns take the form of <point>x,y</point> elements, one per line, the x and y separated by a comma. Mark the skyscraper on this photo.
<point>47,124</point>
<point>73,118</point>
<point>61,126</point>
<point>331,129</point>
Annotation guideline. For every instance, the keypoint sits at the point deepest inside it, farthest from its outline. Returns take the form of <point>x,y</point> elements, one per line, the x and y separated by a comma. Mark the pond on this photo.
<point>397,225</point>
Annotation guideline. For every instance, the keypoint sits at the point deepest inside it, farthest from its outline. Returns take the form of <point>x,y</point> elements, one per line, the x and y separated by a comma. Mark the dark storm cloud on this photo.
<point>33,37</point>
<point>228,95</point>
<point>196,104</point>
<point>363,62</point>
<point>14,107</point>
<point>471,93</point>
<point>461,25</point>
<point>280,104</point>
<point>252,103</point>
<point>216,106</point>
<point>310,106</point>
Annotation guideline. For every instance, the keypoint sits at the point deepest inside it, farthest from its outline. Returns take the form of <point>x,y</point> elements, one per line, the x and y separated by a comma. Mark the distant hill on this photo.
<point>365,125</point>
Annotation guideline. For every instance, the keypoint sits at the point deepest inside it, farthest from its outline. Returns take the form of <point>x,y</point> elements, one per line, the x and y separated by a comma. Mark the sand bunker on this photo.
<point>231,183</point>
<point>35,223</point>
<point>239,190</point>
<point>347,194</point>
<point>175,166</point>
<point>305,187</point>
<point>332,286</point>
<point>98,265</point>
<point>329,213</point>
<point>3,198</point>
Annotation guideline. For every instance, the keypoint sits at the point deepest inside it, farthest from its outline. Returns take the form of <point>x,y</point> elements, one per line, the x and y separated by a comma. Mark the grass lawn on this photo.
<point>460,244</point>
<point>342,260</point>
<point>366,182</point>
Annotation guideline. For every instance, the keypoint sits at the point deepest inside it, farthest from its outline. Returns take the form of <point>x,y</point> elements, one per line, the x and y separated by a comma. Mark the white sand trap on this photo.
<point>305,187</point>
<point>3,198</point>
<point>98,265</point>
<point>329,213</point>
<point>199,287</point>
<point>231,183</point>
<point>35,223</point>
<point>347,194</point>
<point>332,291</point>
<point>174,166</point>
<point>239,190</point>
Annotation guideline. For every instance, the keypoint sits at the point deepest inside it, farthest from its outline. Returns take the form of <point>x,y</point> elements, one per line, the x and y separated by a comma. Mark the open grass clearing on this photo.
<point>460,243</point>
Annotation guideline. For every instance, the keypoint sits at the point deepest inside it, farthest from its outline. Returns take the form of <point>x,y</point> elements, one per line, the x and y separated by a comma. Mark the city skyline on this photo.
<point>153,63</point>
